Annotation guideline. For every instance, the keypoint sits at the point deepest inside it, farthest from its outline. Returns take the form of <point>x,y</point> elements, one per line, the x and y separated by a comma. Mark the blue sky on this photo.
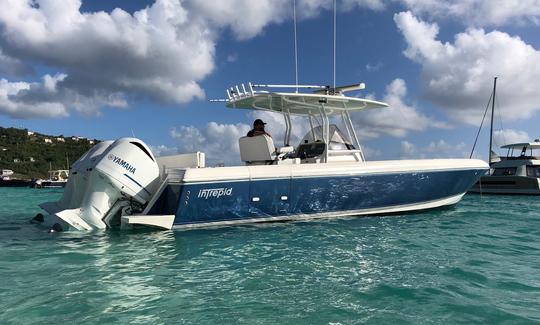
<point>114,73</point>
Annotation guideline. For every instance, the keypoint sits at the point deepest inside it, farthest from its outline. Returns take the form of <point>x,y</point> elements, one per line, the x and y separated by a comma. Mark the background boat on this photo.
<point>14,182</point>
<point>518,173</point>
<point>6,179</point>
<point>57,179</point>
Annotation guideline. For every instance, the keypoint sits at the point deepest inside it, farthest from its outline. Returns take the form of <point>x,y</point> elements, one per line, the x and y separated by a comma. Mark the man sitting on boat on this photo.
<point>258,129</point>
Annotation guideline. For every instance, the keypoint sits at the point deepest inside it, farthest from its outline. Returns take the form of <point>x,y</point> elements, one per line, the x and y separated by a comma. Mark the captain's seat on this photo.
<point>260,150</point>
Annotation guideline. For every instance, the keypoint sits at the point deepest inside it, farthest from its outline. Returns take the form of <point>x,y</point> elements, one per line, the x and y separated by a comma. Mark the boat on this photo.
<point>14,182</point>
<point>122,184</point>
<point>517,173</point>
<point>57,179</point>
<point>7,181</point>
<point>4,173</point>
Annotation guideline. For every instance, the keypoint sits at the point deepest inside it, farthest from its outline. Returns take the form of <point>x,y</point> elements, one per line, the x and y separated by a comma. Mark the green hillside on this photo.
<point>31,154</point>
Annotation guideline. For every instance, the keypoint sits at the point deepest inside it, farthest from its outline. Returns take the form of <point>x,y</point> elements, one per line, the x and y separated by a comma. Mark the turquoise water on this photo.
<point>478,262</point>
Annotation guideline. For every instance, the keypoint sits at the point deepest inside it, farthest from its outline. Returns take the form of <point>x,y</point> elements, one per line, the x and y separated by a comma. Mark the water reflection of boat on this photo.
<point>57,179</point>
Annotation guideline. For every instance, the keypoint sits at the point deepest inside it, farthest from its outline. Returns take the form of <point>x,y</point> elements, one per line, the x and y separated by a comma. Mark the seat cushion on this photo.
<point>257,148</point>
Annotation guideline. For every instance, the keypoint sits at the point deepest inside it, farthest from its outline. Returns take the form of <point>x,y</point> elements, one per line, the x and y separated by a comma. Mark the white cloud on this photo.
<point>367,4</point>
<point>443,149</point>
<point>276,126</point>
<point>13,66</point>
<point>371,153</point>
<point>48,99</point>
<point>435,149</point>
<point>508,136</point>
<point>457,77</point>
<point>374,67</point>
<point>163,150</point>
<point>396,120</point>
<point>233,57</point>
<point>478,12</point>
<point>219,142</point>
<point>311,8</point>
<point>245,18</point>
<point>408,149</point>
<point>161,52</point>
<point>16,109</point>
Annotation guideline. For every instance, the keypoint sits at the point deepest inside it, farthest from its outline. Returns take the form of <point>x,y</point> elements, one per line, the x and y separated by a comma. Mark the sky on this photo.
<point>107,69</point>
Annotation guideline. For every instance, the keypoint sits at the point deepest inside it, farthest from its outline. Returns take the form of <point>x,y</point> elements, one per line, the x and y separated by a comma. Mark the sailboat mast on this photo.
<point>295,48</point>
<point>492,117</point>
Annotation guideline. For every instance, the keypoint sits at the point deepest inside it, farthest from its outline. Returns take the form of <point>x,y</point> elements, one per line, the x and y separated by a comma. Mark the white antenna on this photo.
<point>334,44</point>
<point>133,133</point>
<point>295,48</point>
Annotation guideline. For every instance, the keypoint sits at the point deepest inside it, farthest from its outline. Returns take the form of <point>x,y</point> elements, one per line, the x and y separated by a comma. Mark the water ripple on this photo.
<point>475,263</point>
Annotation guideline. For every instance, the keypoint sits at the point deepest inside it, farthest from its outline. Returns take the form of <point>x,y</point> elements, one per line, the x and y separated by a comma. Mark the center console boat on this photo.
<point>326,175</point>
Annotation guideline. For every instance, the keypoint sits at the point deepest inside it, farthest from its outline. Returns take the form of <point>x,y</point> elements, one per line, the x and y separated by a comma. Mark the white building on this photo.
<point>47,140</point>
<point>60,139</point>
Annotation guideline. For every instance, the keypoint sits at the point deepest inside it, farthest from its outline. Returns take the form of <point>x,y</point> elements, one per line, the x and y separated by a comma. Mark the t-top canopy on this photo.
<point>528,145</point>
<point>297,103</point>
<point>303,104</point>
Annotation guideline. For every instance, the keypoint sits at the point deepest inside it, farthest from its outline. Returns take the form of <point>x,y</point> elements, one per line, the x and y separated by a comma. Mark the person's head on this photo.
<point>258,125</point>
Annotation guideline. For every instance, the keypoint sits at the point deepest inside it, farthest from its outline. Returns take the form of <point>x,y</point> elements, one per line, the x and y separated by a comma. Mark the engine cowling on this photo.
<point>79,175</point>
<point>130,167</point>
<point>106,179</point>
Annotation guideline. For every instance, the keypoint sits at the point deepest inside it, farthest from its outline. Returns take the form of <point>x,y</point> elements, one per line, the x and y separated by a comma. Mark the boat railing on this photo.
<point>241,91</point>
<point>343,152</point>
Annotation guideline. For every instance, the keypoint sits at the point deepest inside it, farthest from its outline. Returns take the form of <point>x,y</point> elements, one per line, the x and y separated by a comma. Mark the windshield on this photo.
<point>525,152</point>
<point>338,141</point>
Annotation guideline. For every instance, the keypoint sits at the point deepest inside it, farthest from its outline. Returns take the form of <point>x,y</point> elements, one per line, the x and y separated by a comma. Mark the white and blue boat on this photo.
<point>121,183</point>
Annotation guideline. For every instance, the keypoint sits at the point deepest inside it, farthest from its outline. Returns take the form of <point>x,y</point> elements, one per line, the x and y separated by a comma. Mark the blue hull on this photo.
<point>204,203</point>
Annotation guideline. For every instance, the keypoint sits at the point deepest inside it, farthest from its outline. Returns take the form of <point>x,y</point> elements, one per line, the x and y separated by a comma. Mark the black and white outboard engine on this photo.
<point>111,179</point>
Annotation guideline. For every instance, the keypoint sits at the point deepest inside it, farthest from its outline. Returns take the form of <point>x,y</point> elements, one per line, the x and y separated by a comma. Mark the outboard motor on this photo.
<point>111,179</point>
<point>78,179</point>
